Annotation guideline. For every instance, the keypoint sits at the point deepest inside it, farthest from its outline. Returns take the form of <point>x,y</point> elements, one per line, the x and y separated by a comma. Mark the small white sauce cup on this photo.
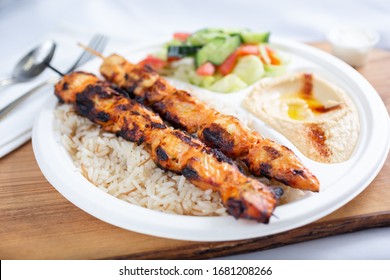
<point>352,44</point>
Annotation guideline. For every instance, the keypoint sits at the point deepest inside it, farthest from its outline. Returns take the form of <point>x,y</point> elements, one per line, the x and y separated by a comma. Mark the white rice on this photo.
<point>126,171</point>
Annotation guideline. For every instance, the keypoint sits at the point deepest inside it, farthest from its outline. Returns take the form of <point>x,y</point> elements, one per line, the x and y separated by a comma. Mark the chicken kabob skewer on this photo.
<point>262,156</point>
<point>170,149</point>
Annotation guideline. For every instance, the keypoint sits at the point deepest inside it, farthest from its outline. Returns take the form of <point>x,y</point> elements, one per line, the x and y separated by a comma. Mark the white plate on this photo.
<point>339,182</point>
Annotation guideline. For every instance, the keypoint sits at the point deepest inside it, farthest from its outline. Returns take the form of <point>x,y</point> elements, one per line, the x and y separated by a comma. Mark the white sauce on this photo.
<point>353,38</point>
<point>352,44</point>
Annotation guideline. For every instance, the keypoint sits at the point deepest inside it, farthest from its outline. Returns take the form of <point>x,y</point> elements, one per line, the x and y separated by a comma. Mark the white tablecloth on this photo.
<point>24,23</point>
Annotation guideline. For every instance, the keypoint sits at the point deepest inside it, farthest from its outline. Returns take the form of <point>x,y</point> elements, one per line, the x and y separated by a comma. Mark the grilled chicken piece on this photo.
<point>262,156</point>
<point>170,149</point>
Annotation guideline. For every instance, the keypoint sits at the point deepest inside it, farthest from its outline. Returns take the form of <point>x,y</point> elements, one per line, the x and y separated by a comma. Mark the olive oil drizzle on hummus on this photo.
<point>306,95</point>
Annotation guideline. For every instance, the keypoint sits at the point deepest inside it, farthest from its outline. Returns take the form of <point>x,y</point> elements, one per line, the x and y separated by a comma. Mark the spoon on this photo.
<point>32,64</point>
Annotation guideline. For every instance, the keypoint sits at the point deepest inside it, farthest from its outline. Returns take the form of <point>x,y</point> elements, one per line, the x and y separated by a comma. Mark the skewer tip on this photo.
<point>92,51</point>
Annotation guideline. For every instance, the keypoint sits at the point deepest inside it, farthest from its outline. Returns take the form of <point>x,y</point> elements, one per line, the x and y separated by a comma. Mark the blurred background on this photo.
<point>26,23</point>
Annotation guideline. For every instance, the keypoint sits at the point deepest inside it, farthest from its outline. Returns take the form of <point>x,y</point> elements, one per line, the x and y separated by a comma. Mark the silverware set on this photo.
<point>32,64</point>
<point>37,60</point>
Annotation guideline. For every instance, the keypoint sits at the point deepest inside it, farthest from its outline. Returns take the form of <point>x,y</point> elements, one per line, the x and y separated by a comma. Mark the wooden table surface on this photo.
<point>38,223</point>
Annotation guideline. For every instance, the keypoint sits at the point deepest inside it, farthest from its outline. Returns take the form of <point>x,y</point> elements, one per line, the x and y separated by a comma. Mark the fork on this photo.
<point>98,43</point>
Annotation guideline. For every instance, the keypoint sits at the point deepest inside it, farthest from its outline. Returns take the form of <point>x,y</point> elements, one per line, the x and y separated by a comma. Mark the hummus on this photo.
<point>318,117</point>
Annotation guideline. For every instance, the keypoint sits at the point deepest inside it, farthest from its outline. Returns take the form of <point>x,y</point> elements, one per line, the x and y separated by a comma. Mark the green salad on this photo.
<point>221,60</point>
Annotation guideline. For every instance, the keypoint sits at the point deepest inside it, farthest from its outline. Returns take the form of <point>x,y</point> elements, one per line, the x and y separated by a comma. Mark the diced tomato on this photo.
<point>173,58</point>
<point>228,65</point>
<point>154,62</point>
<point>248,49</point>
<point>181,36</point>
<point>206,69</point>
<point>274,59</point>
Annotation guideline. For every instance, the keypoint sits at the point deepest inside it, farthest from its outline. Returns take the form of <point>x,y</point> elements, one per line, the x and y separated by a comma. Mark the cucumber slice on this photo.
<point>229,83</point>
<point>203,81</point>
<point>217,50</point>
<point>194,78</point>
<point>253,37</point>
<point>222,52</point>
<point>249,68</point>
<point>202,56</point>
<point>202,37</point>
<point>182,51</point>
<point>207,81</point>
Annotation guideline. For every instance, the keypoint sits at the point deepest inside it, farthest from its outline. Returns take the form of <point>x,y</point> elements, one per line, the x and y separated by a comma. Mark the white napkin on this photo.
<point>15,127</point>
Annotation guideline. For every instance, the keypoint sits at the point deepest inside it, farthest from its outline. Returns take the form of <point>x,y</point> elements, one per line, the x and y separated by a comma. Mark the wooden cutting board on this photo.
<point>36,222</point>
